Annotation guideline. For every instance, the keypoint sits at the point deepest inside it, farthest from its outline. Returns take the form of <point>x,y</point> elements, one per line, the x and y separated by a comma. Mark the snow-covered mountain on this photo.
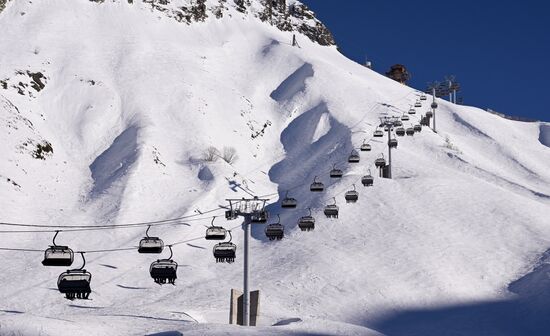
<point>108,110</point>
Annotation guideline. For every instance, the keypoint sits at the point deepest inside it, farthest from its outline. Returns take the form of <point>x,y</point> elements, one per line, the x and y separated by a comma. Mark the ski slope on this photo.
<point>132,100</point>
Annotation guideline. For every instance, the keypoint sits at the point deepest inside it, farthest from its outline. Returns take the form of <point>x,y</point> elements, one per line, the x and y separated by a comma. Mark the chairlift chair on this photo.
<point>57,255</point>
<point>351,196</point>
<point>392,143</point>
<point>400,131</point>
<point>275,230</point>
<point>367,180</point>
<point>378,134</point>
<point>150,244</point>
<point>429,114</point>
<point>75,283</point>
<point>259,216</point>
<point>354,157</point>
<point>423,97</point>
<point>405,117</point>
<point>331,210</point>
<point>380,162</point>
<point>412,111</point>
<point>418,104</point>
<point>164,270</point>
<point>417,128</point>
<point>410,131</point>
<point>215,232</point>
<point>225,251</point>
<point>307,223</point>
<point>316,186</point>
<point>434,105</point>
<point>365,147</point>
<point>288,202</point>
<point>335,172</point>
<point>398,123</point>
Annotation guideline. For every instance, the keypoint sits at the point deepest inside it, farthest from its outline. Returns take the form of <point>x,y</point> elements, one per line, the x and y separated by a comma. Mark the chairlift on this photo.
<point>57,255</point>
<point>164,270</point>
<point>259,216</point>
<point>398,123</point>
<point>367,180</point>
<point>412,111</point>
<point>335,172</point>
<point>316,186</point>
<point>351,196</point>
<point>75,283</point>
<point>380,162</point>
<point>288,202</point>
<point>354,157</point>
<point>225,251</point>
<point>307,223</point>
<point>423,97</point>
<point>434,105</point>
<point>275,230</point>
<point>429,114</point>
<point>410,131</point>
<point>365,147</point>
<point>400,131</point>
<point>378,134</point>
<point>150,244</point>
<point>215,232</point>
<point>404,117</point>
<point>331,210</point>
<point>418,104</point>
<point>392,143</point>
<point>417,128</point>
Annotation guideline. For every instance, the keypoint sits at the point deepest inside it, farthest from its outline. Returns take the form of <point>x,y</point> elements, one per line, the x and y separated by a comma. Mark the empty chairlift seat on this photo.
<point>275,230</point>
<point>404,117</point>
<point>410,131</point>
<point>351,196</point>
<point>289,202</point>
<point>316,186</point>
<point>418,104</point>
<point>365,147</point>
<point>335,172</point>
<point>215,232</point>
<point>354,157</point>
<point>412,111</point>
<point>306,223</point>
<point>331,210</point>
<point>378,133</point>
<point>398,123</point>
<point>423,97</point>
<point>57,255</point>
<point>417,128</point>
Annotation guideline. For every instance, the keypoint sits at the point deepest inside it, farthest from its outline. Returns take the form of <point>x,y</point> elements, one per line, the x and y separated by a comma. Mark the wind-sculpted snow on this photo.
<point>294,84</point>
<point>131,115</point>
<point>115,162</point>
<point>544,135</point>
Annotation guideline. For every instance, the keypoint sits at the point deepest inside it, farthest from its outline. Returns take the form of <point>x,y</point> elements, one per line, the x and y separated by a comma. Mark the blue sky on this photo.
<point>498,50</point>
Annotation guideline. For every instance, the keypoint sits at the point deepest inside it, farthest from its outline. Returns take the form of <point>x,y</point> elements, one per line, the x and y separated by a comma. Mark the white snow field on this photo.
<point>132,99</point>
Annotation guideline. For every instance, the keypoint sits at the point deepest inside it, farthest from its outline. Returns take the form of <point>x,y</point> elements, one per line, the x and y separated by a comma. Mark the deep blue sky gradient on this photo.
<point>498,50</point>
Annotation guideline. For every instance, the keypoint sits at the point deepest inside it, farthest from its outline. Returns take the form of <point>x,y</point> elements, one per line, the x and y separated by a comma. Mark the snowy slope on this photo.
<point>132,99</point>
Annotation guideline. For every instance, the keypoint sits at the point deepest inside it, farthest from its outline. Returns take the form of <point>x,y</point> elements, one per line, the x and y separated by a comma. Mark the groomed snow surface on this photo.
<point>453,245</point>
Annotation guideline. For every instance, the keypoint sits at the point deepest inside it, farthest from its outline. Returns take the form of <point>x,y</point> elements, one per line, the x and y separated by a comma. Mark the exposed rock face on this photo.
<point>287,15</point>
<point>3,4</point>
